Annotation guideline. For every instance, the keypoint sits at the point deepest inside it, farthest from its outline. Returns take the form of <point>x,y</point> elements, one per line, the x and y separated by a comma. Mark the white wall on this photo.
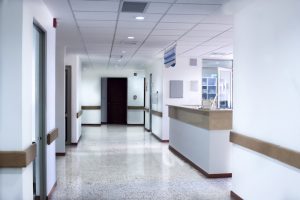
<point>60,95</point>
<point>182,71</point>
<point>91,92</point>
<point>156,69</point>
<point>16,91</point>
<point>75,63</point>
<point>161,77</point>
<point>135,87</point>
<point>266,96</point>
<point>90,96</point>
<point>11,101</point>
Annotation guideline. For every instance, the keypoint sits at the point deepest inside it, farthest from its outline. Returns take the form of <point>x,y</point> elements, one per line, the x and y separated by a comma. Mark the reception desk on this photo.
<point>201,137</point>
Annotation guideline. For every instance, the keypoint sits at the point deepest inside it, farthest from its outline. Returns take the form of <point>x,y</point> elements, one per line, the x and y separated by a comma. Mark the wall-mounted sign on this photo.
<point>170,57</point>
<point>176,89</point>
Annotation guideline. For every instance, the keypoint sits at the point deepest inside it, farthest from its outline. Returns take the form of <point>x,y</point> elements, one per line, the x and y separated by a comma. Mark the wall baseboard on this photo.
<point>235,196</point>
<point>223,175</point>
<point>91,125</point>
<point>135,124</point>
<point>148,130</point>
<point>159,139</point>
<point>48,197</point>
<point>60,154</point>
<point>76,143</point>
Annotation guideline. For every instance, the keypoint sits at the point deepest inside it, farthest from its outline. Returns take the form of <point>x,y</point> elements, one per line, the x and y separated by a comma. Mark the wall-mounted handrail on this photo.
<point>282,154</point>
<point>79,114</point>
<point>157,113</point>
<point>17,159</point>
<point>135,107</point>
<point>91,107</point>
<point>51,137</point>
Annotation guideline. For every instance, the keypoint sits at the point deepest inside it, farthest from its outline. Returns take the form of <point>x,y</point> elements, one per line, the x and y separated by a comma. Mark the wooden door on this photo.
<point>117,100</point>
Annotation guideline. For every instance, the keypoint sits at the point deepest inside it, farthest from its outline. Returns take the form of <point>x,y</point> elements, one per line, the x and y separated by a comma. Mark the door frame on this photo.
<point>42,144</point>
<point>68,104</point>
<point>150,103</point>
<point>144,101</point>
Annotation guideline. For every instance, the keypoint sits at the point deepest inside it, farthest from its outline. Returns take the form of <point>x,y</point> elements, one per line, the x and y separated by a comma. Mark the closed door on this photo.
<point>39,173</point>
<point>117,100</point>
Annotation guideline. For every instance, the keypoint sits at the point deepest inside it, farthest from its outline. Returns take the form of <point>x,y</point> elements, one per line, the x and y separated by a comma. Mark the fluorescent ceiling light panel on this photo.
<point>140,18</point>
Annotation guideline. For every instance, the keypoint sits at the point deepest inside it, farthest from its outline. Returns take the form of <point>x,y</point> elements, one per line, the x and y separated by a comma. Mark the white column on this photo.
<point>266,96</point>
<point>14,93</point>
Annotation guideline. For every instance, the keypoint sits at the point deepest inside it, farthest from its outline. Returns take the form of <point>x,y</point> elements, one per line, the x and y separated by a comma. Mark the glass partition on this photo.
<point>217,83</point>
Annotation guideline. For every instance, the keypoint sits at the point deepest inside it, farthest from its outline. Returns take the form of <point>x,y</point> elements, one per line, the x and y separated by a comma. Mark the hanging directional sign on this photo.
<point>170,57</point>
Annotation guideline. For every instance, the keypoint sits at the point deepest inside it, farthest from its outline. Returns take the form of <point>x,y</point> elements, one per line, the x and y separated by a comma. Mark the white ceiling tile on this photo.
<point>132,32</point>
<point>121,41</point>
<point>186,43</point>
<point>165,38</point>
<point>183,18</point>
<point>168,32</point>
<point>88,23</point>
<point>118,51</point>
<point>97,46</point>
<point>219,19</point>
<point>131,17</point>
<point>218,42</point>
<point>157,7</point>
<point>194,40</point>
<point>136,25</point>
<point>203,33</point>
<point>97,39</point>
<point>174,26</point>
<point>198,51</point>
<point>95,15</point>
<point>156,44</point>
<point>202,1</point>
<point>97,30</point>
<point>212,27</point>
<point>156,1</point>
<point>188,9</point>
<point>107,6</point>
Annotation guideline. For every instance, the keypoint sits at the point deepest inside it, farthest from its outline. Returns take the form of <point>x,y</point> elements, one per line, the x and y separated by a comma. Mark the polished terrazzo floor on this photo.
<point>120,162</point>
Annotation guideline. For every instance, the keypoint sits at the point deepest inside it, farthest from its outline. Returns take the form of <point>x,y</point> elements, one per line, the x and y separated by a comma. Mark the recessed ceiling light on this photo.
<point>139,18</point>
<point>123,52</point>
<point>130,37</point>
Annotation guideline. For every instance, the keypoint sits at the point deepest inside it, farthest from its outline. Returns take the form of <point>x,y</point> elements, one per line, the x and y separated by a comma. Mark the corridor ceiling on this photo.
<point>99,30</point>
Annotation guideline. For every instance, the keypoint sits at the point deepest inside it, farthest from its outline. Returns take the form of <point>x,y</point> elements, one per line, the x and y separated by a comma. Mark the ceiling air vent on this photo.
<point>128,42</point>
<point>135,7</point>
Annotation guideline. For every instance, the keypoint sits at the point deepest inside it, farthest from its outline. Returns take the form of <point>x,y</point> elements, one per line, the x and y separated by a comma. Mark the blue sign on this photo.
<point>170,57</point>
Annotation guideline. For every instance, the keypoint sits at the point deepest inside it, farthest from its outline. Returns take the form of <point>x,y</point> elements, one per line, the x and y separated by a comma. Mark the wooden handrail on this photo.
<point>79,113</point>
<point>135,107</point>
<point>157,113</point>
<point>91,107</point>
<point>52,136</point>
<point>17,159</point>
<point>282,154</point>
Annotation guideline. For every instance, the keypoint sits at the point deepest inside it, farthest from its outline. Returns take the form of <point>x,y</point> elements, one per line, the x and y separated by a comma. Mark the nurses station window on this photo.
<point>217,83</point>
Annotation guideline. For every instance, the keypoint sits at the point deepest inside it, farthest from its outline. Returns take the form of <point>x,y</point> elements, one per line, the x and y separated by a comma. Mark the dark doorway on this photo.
<point>117,100</point>
<point>68,103</point>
